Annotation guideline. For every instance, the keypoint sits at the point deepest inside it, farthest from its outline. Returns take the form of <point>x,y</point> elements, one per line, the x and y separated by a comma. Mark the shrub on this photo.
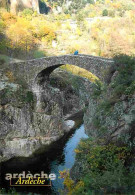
<point>105,12</point>
<point>39,54</point>
<point>10,191</point>
<point>98,88</point>
<point>27,12</point>
<point>111,13</point>
<point>43,7</point>
<point>7,16</point>
<point>2,61</point>
<point>102,169</point>
<point>124,82</point>
<point>18,97</point>
<point>44,30</point>
<point>10,76</point>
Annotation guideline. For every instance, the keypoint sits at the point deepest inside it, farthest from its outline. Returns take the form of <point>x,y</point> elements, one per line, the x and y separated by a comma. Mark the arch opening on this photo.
<point>56,93</point>
<point>75,70</point>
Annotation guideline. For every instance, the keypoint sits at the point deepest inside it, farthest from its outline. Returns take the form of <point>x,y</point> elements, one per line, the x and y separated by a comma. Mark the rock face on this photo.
<point>109,120</point>
<point>23,131</point>
<point>21,4</point>
<point>116,123</point>
<point>30,121</point>
<point>111,109</point>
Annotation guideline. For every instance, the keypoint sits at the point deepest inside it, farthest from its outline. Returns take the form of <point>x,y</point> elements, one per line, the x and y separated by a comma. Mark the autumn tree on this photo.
<point>20,35</point>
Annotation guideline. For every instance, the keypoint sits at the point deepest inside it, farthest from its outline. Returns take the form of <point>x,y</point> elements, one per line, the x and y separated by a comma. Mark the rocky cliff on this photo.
<point>105,162</point>
<point>16,5</point>
<point>23,129</point>
<point>111,111</point>
<point>30,121</point>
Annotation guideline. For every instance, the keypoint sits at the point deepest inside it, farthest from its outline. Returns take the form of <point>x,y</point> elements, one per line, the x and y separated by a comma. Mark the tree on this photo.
<point>20,35</point>
<point>105,12</point>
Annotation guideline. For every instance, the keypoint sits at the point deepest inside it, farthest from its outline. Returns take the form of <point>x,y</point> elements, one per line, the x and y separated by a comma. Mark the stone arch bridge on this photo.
<point>30,70</point>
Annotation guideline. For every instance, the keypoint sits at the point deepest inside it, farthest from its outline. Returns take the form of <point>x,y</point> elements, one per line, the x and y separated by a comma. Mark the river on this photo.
<point>58,157</point>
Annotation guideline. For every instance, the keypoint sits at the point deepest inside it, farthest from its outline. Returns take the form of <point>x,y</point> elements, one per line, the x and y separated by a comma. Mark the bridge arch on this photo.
<point>75,70</point>
<point>42,86</point>
<point>29,70</point>
<point>33,72</point>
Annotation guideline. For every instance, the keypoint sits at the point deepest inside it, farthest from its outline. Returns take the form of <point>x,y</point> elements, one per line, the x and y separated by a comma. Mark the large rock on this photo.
<point>114,125</point>
<point>111,117</point>
<point>21,4</point>
<point>25,127</point>
<point>23,131</point>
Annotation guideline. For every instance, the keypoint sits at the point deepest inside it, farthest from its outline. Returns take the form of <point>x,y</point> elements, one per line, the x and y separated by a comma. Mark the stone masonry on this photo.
<point>29,70</point>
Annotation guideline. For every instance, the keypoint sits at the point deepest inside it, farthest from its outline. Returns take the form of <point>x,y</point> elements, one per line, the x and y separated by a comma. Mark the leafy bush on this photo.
<point>18,97</point>
<point>105,12</point>
<point>102,169</point>
<point>43,7</point>
<point>98,87</point>
<point>44,30</point>
<point>124,82</point>
<point>2,61</point>
<point>10,191</point>
<point>38,54</point>
<point>111,13</point>
<point>27,12</point>
<point>6,16</point>
<point>10,76</point>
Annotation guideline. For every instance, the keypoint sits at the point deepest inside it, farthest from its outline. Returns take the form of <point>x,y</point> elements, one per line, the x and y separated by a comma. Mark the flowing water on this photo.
<point>59,157</point>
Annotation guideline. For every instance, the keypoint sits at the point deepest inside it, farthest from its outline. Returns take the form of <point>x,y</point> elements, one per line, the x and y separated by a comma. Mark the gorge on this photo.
<point>35,107</point>
<point>33,118</point>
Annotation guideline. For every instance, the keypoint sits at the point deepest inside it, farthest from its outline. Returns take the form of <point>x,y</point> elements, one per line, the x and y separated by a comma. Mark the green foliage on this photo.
<point>18,97</point>
<point>3,41</point>
<point>24,96</point>
<point>43,7</point>
<point>10,191</point>
<point>27,12</point>
<point>39,54</point>
<point>80,17</point>
<point>98,87</point>
<point>2,26</point>
<point>124,83</point>
<point>101,157</point>
<point>103,169</point>
<point>105,12</point>
<point>2,61</point>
